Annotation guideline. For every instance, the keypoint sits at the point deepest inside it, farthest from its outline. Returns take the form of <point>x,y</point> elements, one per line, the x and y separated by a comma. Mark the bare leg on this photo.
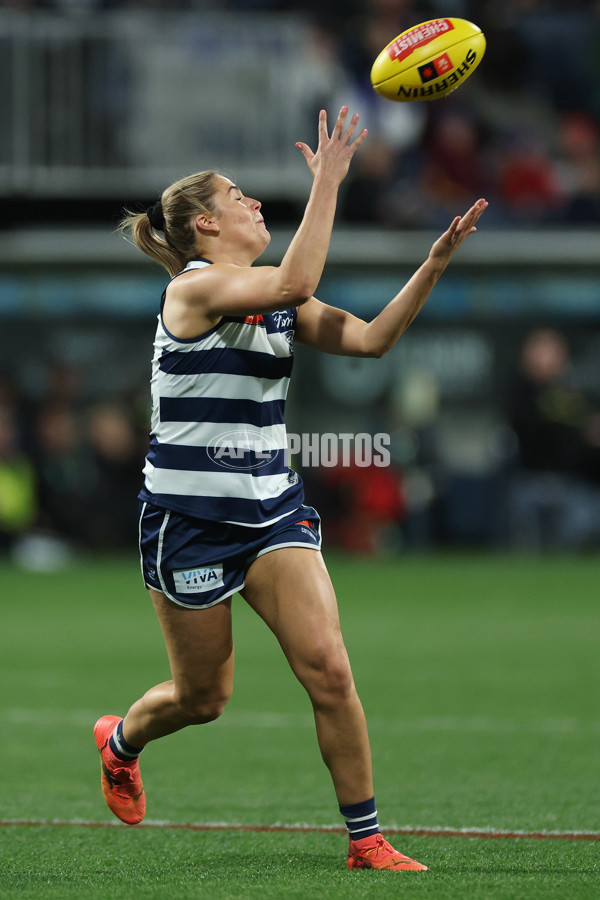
<point>200,648</point>
<point>291,590</point>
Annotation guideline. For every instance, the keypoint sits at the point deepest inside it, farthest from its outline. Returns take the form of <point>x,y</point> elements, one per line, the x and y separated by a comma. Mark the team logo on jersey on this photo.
<point>284,319</point>
<point>254,320</point>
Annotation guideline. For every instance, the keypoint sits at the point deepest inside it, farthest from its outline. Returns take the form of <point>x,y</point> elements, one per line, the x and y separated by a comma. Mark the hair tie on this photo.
<point>156,216</point>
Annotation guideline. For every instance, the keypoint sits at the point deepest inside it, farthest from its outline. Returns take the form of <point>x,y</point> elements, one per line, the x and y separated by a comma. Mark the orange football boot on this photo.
<point>374,852</point>
<point>121,781</point>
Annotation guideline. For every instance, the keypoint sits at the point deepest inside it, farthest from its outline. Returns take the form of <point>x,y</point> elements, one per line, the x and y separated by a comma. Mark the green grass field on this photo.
<point>479,676</point>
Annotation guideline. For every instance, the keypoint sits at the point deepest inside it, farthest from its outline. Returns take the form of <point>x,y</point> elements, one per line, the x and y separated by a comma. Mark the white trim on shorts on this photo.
<point>229,593</point>
<point>204,605</point>
<point>140,541</point>
<point>291,544</point>
<point>160,576</point>
<point>159,550</point>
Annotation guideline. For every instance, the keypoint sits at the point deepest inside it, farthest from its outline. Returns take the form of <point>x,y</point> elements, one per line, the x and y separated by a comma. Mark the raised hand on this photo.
<point>333,153</point>
<point>461,228</point>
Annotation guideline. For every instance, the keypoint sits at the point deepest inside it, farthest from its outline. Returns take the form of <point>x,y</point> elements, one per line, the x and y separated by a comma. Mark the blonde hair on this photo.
<point>181,203</point>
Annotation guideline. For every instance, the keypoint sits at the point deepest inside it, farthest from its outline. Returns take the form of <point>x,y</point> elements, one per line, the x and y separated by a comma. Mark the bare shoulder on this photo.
<point>192,284</point>
<point>187,311</point>
<point>228,289</point>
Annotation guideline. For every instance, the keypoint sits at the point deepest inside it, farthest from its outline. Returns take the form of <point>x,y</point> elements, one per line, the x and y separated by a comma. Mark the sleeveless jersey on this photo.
<point>218,437</point>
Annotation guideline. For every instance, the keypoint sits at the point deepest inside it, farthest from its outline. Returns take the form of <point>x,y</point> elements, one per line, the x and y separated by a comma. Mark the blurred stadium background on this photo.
<point>492,399</point>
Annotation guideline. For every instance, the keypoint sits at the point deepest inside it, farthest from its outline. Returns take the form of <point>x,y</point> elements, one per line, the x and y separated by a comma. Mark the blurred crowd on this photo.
<point>70,465</point>
<point>525,133</point>
<point>555,488</point>
<point>526,478</point>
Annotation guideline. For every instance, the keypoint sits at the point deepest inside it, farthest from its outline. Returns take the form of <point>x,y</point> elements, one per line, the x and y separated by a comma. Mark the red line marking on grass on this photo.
<point>298,829</point>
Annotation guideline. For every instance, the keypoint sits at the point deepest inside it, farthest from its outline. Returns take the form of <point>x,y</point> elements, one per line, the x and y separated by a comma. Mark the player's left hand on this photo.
<point>334,154</point>
<point>461,228</point>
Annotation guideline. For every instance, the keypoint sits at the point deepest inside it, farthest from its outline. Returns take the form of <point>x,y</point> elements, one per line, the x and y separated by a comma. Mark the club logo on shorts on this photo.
<point>198,580</point>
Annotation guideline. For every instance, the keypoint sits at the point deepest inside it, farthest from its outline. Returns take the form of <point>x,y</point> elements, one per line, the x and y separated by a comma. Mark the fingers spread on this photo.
<point>323,136</point>
<point>350,129</point>
<point>341,121</point>
<point>305,150</point>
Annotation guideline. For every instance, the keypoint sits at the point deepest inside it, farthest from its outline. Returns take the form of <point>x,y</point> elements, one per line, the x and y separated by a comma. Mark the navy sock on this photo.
<point>120,747</point>
<point>361,819</point>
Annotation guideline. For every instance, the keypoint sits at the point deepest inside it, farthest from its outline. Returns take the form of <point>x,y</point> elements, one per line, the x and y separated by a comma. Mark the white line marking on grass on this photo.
<point>487,833</point>
<point>485,724</point>
<point>42,718</point>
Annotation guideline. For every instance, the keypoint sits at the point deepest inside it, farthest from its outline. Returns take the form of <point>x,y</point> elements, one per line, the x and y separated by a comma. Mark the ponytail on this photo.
<point>181,203</point>
<point>148,240</point>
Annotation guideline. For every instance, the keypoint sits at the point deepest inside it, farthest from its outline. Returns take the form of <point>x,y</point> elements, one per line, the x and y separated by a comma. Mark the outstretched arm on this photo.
<point>230,287</point>
<point>329,166</point>
<point>336,331</point>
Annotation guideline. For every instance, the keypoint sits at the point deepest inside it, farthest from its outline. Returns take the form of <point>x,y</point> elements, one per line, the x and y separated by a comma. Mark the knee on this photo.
<point>328,680</point>
<point>199,707</point>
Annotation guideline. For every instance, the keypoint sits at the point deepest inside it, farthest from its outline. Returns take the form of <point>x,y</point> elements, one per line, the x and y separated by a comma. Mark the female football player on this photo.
<point>220,511</point>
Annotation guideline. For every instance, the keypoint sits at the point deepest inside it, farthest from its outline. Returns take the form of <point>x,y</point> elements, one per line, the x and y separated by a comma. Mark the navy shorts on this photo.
<point>197,563</point>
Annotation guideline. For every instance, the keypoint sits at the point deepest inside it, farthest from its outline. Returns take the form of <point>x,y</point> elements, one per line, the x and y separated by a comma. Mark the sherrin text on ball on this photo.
<point>428,61</point>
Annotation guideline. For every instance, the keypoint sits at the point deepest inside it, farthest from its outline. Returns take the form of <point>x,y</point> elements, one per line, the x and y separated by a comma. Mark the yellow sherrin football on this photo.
<point>429,60</point>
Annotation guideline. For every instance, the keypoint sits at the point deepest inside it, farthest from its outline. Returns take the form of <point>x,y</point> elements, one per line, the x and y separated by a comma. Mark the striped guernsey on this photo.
<point>218,437</point>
